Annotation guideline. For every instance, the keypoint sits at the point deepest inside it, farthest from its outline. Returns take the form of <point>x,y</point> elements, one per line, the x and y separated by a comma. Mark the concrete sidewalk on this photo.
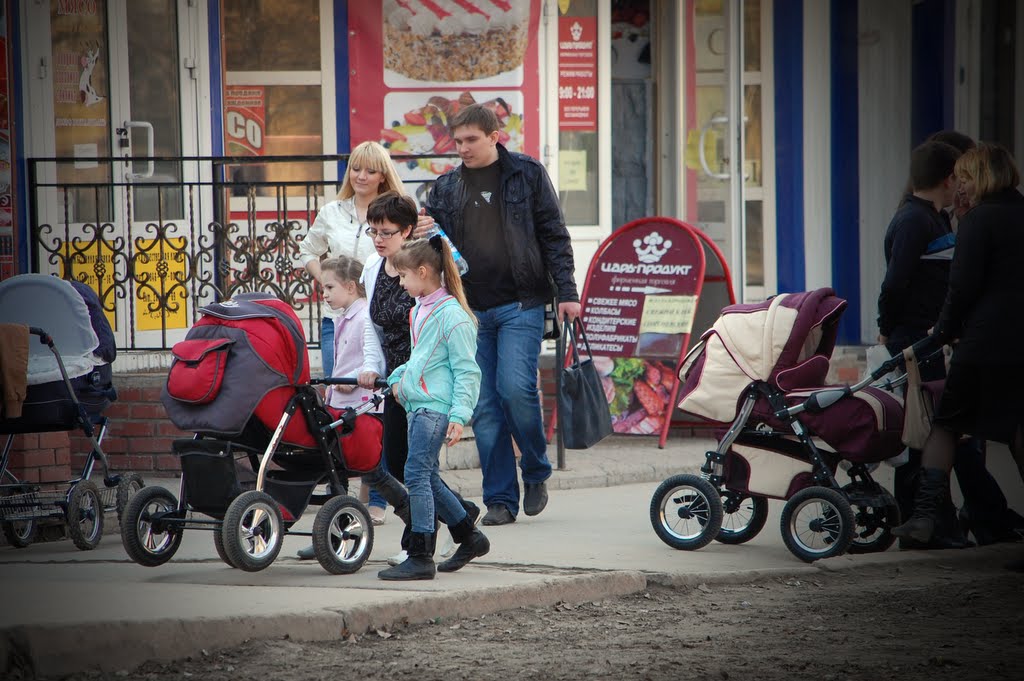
<point>66,610</point>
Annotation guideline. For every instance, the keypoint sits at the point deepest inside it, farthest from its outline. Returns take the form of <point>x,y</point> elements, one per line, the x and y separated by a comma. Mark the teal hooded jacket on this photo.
<point>442,374</point>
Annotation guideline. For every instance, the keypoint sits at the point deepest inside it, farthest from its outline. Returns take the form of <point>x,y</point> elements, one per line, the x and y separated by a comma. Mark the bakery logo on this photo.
<point>650,250</point>
<point>577,31</point>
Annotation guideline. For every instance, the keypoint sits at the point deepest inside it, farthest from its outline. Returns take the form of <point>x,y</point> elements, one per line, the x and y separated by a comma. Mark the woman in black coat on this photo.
<point>984,391</point>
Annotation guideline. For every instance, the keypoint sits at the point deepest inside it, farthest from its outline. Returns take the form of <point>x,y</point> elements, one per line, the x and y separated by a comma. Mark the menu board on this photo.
<point>639,303</point>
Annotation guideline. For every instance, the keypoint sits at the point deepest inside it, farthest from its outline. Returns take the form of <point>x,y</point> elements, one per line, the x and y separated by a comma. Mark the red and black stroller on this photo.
<point>66,345</point>
<point>237,381</point>
<point>758,372</point>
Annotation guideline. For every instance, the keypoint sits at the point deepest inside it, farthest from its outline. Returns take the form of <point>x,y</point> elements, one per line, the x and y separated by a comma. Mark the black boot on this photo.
<point>419,564</point>
<point>472,544</point>
<point>932,491</point>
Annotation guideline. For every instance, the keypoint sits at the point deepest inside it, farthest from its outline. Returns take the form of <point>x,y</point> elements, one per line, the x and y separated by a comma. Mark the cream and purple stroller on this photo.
<point>758,372</point>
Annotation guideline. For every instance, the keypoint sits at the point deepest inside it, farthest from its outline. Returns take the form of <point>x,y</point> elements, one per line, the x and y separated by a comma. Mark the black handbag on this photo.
<point>582,406</point>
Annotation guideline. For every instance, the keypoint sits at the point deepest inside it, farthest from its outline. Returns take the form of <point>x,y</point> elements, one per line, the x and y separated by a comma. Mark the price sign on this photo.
<point>577,73</point>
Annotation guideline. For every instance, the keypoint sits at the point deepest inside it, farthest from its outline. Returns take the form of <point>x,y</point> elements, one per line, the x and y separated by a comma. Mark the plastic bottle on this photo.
<point>460,262</point>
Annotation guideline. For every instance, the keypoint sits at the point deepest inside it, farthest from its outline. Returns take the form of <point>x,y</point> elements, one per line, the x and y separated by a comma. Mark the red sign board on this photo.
<point>577,73</point>
<point>245,120</point>
<point>639,302</point>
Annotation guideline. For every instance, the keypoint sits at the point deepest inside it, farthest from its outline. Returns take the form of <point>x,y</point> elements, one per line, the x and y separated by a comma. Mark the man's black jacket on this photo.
<point>533,228</point>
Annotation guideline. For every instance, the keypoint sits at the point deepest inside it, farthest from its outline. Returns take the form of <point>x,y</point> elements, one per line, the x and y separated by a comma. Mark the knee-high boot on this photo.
<point>419,564</point>
<point>932,491</point>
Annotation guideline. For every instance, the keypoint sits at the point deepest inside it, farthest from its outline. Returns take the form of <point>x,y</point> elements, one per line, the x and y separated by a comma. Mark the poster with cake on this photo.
<point>474,42</point>
<point>415,63</point>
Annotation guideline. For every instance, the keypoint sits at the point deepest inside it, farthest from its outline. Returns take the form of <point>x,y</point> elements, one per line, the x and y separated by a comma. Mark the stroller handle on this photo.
<point>926,350</point>
<point>379,384</point>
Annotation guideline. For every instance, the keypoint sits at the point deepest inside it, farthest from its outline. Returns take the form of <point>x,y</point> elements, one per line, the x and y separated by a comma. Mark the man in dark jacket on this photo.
<point>502,212</point>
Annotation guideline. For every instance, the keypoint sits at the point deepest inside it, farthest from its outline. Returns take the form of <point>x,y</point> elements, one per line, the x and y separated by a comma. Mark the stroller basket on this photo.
<point>291,489</point>
<point>213,475</point>
<point>40,503</point>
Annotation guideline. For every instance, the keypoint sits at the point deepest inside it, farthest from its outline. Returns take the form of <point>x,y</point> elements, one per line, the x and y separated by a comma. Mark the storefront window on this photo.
<point>263,116</point>
<point>577,111</point>
<point>270,35</point>
<point>632,112</point>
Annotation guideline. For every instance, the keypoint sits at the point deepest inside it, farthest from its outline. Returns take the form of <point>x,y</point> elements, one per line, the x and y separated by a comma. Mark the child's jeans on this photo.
<point>428,495</point>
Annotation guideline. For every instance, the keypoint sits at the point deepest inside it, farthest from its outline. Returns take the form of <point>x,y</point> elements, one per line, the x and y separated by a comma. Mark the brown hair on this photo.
<point>477,115</point>
<point>434,254</point>
<point>375,157</point>
<point>345,269</point>
<point>392,207</point>
<point>991,167</point>
<point>931,163</point>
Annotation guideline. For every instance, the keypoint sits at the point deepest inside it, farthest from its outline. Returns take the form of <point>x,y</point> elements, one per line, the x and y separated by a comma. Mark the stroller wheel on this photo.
<point>873,523</point>
<point>218,544</point>
<point>252,531</point>
<point>686,512</point>
<point>19,533</point>
<point>817,522</point>
<point>85,515</point>
<point>147,540</point>
<point>342,535</point>
<point>744,517</point>
<point>127,487</point>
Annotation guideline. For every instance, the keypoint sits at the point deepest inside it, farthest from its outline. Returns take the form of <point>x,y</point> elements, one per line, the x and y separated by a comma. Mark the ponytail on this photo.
<point>435,254</point>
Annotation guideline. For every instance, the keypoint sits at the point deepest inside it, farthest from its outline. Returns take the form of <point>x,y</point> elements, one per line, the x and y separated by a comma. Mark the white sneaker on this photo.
<point>398,558</point>
<point>448,550</point>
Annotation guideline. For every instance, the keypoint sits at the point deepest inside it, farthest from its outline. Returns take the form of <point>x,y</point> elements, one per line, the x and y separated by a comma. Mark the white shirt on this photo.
<point>336,231</point>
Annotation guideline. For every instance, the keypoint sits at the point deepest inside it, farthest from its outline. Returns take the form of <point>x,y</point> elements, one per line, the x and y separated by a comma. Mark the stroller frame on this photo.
<point>82,505</point>
<point>249,524</point>
<point>819,519</point>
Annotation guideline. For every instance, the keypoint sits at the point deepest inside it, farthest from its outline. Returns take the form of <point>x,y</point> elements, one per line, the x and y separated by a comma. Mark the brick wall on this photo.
<point>140,435</point>
<point>42,457</point>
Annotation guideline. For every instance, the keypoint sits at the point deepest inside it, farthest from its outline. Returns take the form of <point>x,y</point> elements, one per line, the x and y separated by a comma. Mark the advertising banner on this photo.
<point>245,120</point>
<point>639,302</point>
<point>81,86</point>
<point>415,63</point>
<point>577,73</point>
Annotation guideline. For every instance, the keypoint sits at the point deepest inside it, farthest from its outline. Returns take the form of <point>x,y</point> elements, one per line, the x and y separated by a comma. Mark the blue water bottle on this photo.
<point>460,262</point>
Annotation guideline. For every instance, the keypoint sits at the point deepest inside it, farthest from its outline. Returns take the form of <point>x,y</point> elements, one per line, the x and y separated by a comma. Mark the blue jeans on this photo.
<point>508,345</point>
<point>327,345</point>
<point>428,495</point>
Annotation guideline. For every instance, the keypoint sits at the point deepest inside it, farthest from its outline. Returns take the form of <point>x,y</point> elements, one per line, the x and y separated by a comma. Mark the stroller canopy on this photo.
<point>53,305</point>
<point>241,359</point>
<point>786,341</point>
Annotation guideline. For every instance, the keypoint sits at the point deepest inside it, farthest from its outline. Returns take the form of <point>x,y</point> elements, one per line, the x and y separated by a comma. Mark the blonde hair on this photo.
<point>434,254</point>
<point>345,269</point>
<point>375,157</point>
<point>991,167</point>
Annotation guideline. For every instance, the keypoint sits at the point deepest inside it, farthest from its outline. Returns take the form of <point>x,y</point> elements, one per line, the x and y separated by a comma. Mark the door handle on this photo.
<point>713,121</point>
<point>149,150</point>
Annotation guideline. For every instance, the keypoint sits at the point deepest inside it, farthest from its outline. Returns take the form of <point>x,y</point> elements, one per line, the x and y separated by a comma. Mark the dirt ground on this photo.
<point>918,622</point>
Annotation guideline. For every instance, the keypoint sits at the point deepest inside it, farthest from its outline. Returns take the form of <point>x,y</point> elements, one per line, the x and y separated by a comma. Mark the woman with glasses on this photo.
<point>339,228</point>
<point>387,342</point>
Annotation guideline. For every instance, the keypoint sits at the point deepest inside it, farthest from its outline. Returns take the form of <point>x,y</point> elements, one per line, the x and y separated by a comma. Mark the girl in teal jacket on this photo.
<point>439,387</point>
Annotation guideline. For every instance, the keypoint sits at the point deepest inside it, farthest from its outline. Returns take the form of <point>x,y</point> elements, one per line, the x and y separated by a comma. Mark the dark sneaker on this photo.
<point>307,553</point>
<point>498,514</point>
<point>536,498</point>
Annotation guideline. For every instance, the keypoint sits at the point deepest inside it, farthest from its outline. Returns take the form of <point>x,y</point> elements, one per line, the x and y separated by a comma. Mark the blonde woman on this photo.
<point>339,228</point>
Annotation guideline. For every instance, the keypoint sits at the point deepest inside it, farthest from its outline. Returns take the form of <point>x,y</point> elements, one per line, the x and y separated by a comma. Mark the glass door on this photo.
<point>118,82</point>
<point>726,183</point>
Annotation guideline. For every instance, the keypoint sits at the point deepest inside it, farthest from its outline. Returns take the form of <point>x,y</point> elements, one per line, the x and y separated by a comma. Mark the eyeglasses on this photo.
<point>373,233</point>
